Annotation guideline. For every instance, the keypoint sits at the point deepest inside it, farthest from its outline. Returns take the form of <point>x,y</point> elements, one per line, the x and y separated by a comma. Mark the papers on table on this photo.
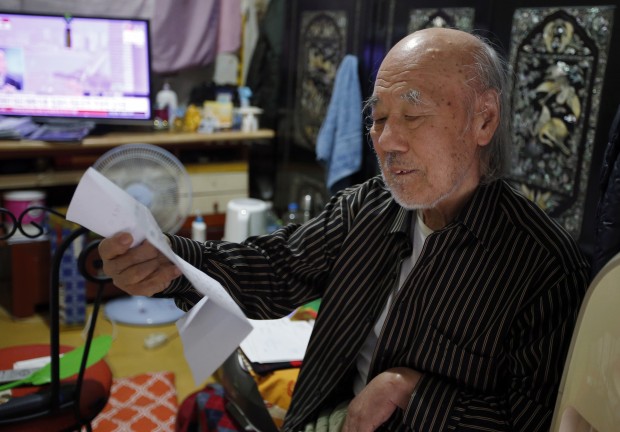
<point>274,341</point>
<point>214,327</point>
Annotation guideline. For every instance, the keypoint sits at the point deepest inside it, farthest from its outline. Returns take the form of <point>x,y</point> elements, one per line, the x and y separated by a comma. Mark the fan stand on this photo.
<point>142,311</point>
<point>136,168</point>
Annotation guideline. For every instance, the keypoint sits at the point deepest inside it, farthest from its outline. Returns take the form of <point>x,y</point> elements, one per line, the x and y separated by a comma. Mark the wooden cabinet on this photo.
<point>218,165</point>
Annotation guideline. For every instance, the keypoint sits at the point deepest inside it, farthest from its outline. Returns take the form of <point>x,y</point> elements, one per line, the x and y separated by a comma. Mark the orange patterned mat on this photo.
<point>144,402</point>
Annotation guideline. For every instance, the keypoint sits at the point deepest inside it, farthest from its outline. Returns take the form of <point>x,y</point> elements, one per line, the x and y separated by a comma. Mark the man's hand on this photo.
<point>141,270</point>
<point>375,404</point>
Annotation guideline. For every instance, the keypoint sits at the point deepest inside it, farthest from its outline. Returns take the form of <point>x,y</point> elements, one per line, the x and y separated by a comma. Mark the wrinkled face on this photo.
<point>421,131</point>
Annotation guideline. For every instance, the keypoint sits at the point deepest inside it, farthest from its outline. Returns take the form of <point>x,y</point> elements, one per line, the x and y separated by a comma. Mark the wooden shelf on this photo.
<point>10,149</point>
<point>40,180</point>
<point>176,137</point>
<point>72,158</point>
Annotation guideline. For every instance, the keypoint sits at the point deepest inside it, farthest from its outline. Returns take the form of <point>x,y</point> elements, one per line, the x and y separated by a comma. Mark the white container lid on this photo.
<point>24,195</point>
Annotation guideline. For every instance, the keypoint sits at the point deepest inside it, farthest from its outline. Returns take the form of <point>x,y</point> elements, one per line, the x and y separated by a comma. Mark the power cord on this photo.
<point>155,340</point>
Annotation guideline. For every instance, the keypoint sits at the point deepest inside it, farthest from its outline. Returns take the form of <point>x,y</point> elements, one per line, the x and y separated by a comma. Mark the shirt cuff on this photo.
<point>185,295</point>
<point>431,396</point>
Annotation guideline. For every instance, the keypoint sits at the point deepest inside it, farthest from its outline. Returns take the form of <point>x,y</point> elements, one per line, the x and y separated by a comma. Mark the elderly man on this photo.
<point>448,300</point>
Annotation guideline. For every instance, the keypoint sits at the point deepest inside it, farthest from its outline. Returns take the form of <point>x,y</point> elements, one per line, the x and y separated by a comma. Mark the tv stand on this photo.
<point>63,163</point>
<point>102,129</point>
<point>62,122</point>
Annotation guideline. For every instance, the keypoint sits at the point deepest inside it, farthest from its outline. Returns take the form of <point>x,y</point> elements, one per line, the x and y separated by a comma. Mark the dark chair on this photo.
<point>65,405</point>
<point>245,403</point>
<point>608,208</point>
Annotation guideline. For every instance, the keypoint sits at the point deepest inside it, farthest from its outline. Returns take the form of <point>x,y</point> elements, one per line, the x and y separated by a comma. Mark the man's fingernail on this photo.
<point>125,239</point>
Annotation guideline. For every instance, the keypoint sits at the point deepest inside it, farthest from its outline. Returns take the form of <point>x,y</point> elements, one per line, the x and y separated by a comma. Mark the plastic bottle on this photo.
<point>244,96</point>
<point>167,98</point>
<point>199,229</point>
<point>272,222</point>
<point>292,215</point>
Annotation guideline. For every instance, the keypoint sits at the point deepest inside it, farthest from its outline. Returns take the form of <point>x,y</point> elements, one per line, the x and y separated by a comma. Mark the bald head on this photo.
<point>449,57</point>
<point>441,36</point>
<point>438,51</point>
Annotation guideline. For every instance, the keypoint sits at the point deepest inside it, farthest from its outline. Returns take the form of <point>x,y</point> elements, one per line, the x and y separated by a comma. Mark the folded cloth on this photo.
<point>339,142</point>
<point>276,389</point>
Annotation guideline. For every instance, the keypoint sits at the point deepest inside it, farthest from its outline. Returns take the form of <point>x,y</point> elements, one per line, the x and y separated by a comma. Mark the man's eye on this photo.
<point>378,121</point>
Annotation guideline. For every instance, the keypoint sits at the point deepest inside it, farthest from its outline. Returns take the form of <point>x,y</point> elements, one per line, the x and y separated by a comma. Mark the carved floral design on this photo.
<point>461,18</point>
<point>558,59</point>
<point>322,47</point>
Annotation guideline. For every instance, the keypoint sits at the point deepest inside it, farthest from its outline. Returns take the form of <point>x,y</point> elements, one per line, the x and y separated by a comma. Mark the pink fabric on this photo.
<point>113,8</point>
<point>184,34</point>
<point>230,26</point>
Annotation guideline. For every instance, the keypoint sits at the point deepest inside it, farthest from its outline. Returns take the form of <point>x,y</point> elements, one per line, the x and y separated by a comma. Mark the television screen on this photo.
<point>75,67</point>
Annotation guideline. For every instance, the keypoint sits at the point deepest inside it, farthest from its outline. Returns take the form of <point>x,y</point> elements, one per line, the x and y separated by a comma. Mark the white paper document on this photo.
<point>213,328</point>
<point>278,340</point>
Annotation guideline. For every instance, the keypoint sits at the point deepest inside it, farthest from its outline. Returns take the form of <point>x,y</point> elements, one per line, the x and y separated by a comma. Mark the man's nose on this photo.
<point>393,137</point>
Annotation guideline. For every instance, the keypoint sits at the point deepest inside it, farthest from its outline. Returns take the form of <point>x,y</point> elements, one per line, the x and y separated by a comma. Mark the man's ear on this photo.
<point>486,117</point>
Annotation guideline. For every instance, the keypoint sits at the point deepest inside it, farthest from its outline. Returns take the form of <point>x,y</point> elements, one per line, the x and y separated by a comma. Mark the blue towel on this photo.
<point>339,143</point>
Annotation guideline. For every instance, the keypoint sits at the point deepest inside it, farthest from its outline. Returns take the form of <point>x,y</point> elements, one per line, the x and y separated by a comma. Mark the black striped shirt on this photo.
<point>486,313</point>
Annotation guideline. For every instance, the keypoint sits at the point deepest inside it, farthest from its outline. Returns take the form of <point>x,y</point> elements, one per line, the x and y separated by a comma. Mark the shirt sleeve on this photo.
<point>269,276</point>
<point>535,354</point>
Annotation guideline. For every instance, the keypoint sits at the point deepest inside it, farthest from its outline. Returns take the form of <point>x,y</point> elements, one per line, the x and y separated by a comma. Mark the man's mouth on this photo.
<point>398,167</point>
<point>402,171</point>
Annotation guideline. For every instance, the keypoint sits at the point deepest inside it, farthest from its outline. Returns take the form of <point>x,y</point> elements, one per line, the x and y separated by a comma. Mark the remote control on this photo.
<point>10,375</point>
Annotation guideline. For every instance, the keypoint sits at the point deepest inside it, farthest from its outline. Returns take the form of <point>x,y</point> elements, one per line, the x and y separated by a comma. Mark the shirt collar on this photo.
<point>480,213</point>
<point>402,220</point>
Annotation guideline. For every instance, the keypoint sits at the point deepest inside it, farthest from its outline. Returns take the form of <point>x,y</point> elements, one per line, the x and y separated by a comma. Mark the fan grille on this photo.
<point>153,176</point>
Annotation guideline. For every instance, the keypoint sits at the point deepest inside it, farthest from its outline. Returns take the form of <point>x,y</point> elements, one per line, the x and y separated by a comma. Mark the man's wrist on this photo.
<point>405,383</point>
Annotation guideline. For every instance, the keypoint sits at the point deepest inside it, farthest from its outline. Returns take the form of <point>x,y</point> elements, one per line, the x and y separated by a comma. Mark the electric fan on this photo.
<point>157,179</point>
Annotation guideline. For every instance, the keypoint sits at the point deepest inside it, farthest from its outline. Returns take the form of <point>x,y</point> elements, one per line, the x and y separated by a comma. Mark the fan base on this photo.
<point>143,311</point>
